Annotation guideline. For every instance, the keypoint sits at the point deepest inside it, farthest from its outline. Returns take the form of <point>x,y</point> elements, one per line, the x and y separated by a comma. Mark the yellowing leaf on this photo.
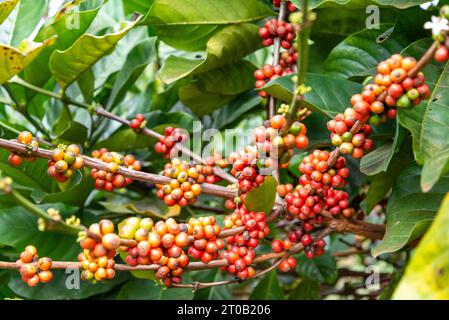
<point>14,60</point>
<point>427,274</point>
<point>6,7</point>
<point>68,65</point>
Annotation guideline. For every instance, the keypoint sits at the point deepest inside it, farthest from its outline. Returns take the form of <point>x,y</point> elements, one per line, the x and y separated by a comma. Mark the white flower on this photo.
<point>437,25</point>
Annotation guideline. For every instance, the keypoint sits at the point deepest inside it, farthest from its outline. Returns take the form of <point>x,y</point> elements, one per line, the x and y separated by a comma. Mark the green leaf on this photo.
<point>68,130</point>
<point>141,6</point>
<point>29,14</point>
<point>214,89</point>
<point>360,53</point>
<point>39,72</point>
<point>18,228</point>
<point>75,192</point>
<point>14,60</point>
<point>306,290</point>
<point>412,119</point>
<point>148,290</point>
<point>149,207</point>
<point>262,199</point>
<point>6,7</point>
<point>136,62</point>
<point>188,24</point>
<point>320,99</point>
<point>216,292</point>
<point>427,273</point>
<point>268,288</point>
<point>378,160</point>
<point>322,269</point>
<point>381,183</point>
<point>434,132</point>
<point>32,175</point>
<point>68,65</point>
<point>409,210</point>
<point>86,84</point>
<point>226,46</point>
<point>235,109</point>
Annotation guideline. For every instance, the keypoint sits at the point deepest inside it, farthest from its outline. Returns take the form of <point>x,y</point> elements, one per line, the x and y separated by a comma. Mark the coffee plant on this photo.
<point>215,149</point>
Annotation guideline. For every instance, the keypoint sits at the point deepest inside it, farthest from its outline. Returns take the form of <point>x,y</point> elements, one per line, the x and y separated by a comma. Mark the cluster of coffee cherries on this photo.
<point>172,136</point>
<point>159,243</point>
<point>240,250</point>
<point>290,6</point>
<point>26,138</point>
<point>206,244</point>
<point>400,90</point>
<point>268,73</point>
<point>352,144</point>
<point>275,28</point>
<point>99,248</point>
<point>184,187</point>
<point>64,161</point>
<point>34,269</point>
<point>288,59</point>
<point>138,122</point>
<point>270,143</point>
<point>245,167</point>
<point>278,246</point>
<point>110,179</point>
<point>319,187</point>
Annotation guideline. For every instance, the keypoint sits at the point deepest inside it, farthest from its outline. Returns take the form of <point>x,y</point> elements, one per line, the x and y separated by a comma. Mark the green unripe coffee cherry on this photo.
<point>374,120</point>
<point>444,11</point>
<point>69,157</point>
<point>296,128</point>
<point>346,148</point>
<point>413,94</point>
<point>127,232</point>
<point>404,102</point>
<point>347,136</point>
<point>336,140</point>
<point>278,142</point>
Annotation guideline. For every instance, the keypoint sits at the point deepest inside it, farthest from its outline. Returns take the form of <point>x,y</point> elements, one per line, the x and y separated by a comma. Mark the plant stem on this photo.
<point>106,114</point>
<point>60,226</point>
<point>135,175</point>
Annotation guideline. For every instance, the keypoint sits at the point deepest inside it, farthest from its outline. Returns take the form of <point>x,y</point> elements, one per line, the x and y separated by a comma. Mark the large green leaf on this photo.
<point>322,269</point>
<point>434,132</point>
<point>268,288</point>
<point>39,72</point>
<point>188,24</point>
<point>262,198</point>
<point>29,13</point>
<point>6,7</point>
<point>426,275</point>
<point>359,54</point>
<point>409,210</point>
<point>378,160</point>
<point>216,292</point>
<point>229,44</point>
<point>212,90</point>
<point>381,183</point>
<point>136,62</point>
<point>321,98</point>
<point>68,65</point>
<point>141,6</point>
<point>306,290</point>
<point>14,60</point>
<point>412,119</point>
